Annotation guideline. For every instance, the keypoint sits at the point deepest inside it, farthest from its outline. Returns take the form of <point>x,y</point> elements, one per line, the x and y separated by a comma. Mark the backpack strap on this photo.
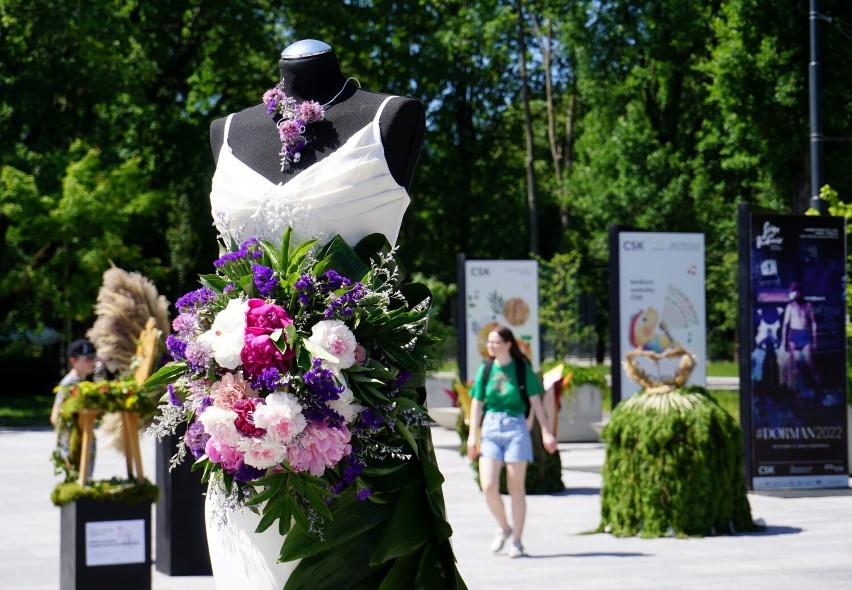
<point>520,379</point>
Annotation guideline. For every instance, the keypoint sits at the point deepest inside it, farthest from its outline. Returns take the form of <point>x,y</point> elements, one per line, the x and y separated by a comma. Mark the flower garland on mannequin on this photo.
<point>292,119</point>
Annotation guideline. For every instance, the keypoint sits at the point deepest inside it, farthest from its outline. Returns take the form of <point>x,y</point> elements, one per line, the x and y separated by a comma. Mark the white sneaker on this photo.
<point>500,539</point>
<point>516,549</point>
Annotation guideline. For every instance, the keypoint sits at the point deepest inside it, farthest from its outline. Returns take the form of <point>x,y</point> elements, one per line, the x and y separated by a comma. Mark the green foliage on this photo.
<point>674,466</point>
<point>128,491</point>
<point>559,297</point>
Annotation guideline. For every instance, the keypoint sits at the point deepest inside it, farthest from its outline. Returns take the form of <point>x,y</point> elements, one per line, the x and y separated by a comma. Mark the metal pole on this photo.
<point>815,87</point>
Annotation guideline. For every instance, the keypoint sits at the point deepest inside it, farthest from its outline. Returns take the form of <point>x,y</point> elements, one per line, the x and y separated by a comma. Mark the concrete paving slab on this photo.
<point>805,545</point>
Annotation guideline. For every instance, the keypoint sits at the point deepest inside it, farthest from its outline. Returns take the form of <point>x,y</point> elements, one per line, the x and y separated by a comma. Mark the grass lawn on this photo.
<point>25,410</point>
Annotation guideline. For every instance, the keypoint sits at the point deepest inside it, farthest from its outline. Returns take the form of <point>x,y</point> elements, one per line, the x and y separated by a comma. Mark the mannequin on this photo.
<point>310,71</point>
<point>360,190</point>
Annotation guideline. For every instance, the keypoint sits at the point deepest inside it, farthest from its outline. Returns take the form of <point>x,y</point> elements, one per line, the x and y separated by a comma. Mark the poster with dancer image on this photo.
<point>500,292</point>
<point>659,306</point>
<point>793,370</point>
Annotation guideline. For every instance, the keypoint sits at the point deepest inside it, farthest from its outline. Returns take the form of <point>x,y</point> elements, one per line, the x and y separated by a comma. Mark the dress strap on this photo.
<point>381,108</point>
<point>227,128</point>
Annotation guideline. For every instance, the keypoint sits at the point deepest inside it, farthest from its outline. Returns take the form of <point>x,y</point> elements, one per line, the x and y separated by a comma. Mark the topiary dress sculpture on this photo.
<point>674,460</point>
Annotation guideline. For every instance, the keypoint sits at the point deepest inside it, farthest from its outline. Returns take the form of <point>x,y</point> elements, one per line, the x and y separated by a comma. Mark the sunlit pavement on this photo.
<point>805,545</point>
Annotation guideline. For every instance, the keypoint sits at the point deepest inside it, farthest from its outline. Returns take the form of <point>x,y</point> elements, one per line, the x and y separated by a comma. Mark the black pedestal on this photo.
<point>105,544</point>
<point>181,535</point>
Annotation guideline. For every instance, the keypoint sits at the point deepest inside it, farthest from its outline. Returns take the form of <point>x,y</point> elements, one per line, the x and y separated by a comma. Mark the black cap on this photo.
<point>81,347</point>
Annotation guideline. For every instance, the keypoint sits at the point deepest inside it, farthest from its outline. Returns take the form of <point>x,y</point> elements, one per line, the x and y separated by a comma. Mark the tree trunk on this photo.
<point>528,132</point>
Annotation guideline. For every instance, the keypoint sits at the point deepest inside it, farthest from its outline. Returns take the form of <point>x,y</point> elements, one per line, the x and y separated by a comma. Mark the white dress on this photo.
<point>352,193</point>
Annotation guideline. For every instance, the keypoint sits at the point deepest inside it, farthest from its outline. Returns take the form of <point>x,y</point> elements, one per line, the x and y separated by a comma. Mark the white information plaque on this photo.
<point>114,542</point>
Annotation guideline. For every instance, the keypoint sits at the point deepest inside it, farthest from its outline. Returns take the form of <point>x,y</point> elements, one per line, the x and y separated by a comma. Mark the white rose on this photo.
<point>334,343</point>
<point>345,405</point>
<point>227,334</point>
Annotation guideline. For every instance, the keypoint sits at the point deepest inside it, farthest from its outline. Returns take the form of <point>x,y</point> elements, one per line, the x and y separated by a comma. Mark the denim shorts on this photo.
<point>505,438</point>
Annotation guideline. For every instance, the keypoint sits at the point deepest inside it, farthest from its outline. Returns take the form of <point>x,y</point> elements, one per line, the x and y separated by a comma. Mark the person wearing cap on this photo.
<point>81,359</point>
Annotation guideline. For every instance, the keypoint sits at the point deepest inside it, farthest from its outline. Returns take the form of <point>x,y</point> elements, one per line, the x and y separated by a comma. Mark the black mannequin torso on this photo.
<point>253,136</point>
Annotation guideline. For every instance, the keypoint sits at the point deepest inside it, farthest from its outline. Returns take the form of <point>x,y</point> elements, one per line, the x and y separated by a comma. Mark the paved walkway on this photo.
<point>806,543</point>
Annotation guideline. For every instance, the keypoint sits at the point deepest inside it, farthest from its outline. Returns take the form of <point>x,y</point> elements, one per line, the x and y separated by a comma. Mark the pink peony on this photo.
<point>281,417</point>
<point>261,353</point>
<point>319,447</point>
<point>231,388</point>
<point>229,457</point>
<point>262,453</point>
<point>265,318</point>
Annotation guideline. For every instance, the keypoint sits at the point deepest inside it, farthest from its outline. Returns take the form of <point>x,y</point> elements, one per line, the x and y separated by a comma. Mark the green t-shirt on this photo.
<point>501,393</point>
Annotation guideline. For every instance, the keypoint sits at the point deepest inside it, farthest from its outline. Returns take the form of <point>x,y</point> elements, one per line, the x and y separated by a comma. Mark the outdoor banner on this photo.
<point>793,350</point>
<point>659,304</point>
<point>500,292</point>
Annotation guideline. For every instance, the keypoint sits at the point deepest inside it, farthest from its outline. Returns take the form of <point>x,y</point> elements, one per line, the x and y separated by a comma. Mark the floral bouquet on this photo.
<point>299,373</point>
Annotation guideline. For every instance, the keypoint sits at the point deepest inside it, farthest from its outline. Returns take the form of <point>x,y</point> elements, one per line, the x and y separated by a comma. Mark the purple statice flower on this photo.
<point>194,300</point>
<point>364,493</point>
<point>345,303</point>
<point>269,379</point>
<point>250,249</point>
<point>173,396</point>
<point>352,468</point>
<point>332,281</point>
<point>305,285</point>
<point>401,379</point>
<point>371,419</point>
<point>176,347</point>
<point>248,473</point>
<point>196,439</point>
<point>229,288</point>
<point>321,382</point>
<point>264,279</point>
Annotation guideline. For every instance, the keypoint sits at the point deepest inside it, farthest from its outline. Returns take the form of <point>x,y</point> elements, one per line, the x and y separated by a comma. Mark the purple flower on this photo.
<point>289,130</point>
<point>196,439</point>
<point>195,299</point>
<point>371,419</point>
<point>176,347</point>
<point>321,382</point>
<point>248,473</point>
<point>198,356</point>
<point>269,379</point>
<point>364,493</point>
<point>173,397</point>
<point>264,279</point>
<point>311,111</point>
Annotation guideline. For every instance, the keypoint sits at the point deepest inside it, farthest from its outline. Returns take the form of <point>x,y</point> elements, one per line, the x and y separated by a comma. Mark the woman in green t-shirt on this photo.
<point>505,438</point>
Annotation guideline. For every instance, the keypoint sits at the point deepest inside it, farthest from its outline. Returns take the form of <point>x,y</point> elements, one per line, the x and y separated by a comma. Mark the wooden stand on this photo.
<point>130,429</point>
